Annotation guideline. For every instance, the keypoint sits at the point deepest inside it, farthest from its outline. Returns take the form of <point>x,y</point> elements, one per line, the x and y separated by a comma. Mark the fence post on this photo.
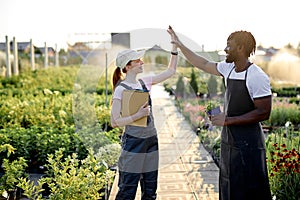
<point>7,51</point>
<point>46,56</point>
<point>56,56</point>
<point>32,55</point>
<point>16,59</point>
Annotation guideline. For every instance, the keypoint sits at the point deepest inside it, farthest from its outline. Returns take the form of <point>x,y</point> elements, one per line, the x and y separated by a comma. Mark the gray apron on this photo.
<point>243,170</point>
<point>138,161</point>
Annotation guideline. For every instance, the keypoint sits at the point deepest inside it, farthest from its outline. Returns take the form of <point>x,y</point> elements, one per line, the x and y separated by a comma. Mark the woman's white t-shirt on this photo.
<point>119,89</point>
<point>257,81</point>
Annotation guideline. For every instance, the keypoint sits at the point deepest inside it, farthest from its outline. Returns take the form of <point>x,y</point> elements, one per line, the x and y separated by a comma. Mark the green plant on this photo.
<point>35,143</point>
<point>283,111</point>
<point>285,172</point>
<point>71,178</point>
<point>284,163</point>
<point>212,85</point>
<point>32,190</point>
<point>109,154</point>
<point>193,82</point>
<point>180,87</point>
<point>211,105</point>
<point>13,170</point>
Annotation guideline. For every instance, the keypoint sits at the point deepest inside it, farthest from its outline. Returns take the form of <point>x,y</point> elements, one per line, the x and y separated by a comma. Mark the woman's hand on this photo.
<point>144,110</point>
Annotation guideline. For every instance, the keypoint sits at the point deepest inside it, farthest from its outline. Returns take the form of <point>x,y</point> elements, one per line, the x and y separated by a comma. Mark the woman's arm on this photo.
<point>117,120</point>
<point>171,70</point>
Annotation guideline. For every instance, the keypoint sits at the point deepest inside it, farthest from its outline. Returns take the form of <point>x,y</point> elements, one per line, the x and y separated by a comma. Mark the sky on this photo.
<point>202,22</point>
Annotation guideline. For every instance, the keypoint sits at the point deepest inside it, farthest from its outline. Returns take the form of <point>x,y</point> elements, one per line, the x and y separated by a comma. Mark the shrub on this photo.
<point>70,179</point>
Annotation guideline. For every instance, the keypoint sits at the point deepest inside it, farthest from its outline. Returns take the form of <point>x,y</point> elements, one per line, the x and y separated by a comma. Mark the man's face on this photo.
<point>231,51</point>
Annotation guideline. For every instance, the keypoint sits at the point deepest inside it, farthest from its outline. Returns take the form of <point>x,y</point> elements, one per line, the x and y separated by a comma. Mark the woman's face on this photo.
<point>136,66</point>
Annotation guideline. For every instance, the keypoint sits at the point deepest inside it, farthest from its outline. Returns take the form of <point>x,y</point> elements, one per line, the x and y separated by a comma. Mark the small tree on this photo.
<point>212,85</point>
<point>193,82</point>
<point>179,91</point>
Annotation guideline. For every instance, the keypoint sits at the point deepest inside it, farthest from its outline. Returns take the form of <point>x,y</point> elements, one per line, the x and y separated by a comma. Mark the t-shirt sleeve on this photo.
<point>224,68</point>
<point>260,86</point>
<point>118,93</point>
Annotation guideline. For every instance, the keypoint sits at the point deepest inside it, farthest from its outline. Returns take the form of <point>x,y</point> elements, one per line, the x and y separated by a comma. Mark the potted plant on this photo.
<point>213,108</point>
<point>13,170</point>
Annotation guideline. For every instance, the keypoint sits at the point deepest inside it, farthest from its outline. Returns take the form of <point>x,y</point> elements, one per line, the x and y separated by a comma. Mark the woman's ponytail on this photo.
<point>117,77</point>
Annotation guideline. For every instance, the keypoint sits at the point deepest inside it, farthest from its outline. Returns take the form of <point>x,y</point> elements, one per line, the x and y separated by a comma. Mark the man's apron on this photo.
<point>243,170</point>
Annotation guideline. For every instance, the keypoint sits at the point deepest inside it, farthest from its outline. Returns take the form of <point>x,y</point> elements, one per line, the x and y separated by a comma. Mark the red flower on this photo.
<point>283,145</point>
<point>275,144</point>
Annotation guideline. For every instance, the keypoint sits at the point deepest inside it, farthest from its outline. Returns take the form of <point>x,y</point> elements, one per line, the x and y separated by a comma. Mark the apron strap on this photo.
<point>126,86</point>
<point>143,85</point>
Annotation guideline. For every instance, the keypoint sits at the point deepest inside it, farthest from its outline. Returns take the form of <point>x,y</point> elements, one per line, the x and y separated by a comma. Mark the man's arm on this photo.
<point>195,59</point>
<point>260,113</point>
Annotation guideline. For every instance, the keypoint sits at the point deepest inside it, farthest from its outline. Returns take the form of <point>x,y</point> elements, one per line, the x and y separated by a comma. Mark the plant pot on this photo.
<point>12,195</point>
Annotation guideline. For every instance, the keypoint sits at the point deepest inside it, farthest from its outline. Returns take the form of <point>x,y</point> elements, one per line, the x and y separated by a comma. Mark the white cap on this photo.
<point>127,55</point>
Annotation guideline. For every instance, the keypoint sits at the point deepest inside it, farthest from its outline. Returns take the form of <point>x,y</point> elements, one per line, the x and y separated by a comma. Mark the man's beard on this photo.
<point>230,58</point>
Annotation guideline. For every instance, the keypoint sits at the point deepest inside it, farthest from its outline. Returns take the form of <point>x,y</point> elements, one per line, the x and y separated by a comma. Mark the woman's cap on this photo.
<point>127,55</point>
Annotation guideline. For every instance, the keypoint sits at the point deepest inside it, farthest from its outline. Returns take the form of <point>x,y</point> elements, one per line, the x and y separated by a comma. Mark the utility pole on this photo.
<point>106,82</point>
<point>56,56</point>
<point>46,56</point>
<point>32,63</point>
<point>7,51</point>
<point>16,59</point>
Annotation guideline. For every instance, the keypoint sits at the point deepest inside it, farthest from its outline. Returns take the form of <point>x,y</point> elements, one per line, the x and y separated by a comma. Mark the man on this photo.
<point>243,170</point>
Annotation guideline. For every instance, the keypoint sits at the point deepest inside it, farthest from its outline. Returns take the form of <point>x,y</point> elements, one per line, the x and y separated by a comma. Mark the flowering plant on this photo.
<point>284,165</point>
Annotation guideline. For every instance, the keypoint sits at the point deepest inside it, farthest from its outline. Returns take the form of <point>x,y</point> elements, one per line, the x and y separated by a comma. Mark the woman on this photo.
<point>138,161</point>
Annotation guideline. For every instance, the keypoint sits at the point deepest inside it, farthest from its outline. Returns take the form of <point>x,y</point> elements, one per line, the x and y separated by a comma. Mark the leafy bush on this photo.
<point>37,118</point>
<point>35,143</point>
<point>13,170</point>
<point>70,179</point>
<point>283,111</point>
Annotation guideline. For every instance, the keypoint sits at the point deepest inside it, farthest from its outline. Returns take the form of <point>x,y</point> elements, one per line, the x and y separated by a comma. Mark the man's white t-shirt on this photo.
<point>257,81</point>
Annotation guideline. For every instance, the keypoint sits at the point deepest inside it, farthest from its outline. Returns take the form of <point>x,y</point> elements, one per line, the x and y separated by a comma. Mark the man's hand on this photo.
<point>174,38</point>
<point>218,120</point>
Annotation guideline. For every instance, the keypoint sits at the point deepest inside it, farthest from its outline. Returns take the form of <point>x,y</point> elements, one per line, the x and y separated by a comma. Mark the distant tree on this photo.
<point>161,60</point>
<point>212,85</point>
<point>298,49</point>
<point>222,86</point>
<point>289,46</point>
<point>193,82</point>
<point>147,59</point>
<point>179,91</point>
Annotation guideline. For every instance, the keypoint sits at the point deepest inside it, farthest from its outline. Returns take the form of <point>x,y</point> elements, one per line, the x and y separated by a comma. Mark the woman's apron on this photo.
<point>243,170</point>
<point>138,162</point>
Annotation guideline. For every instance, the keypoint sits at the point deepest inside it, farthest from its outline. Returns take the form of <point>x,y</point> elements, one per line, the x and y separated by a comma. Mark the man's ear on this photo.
<point>240,48</point>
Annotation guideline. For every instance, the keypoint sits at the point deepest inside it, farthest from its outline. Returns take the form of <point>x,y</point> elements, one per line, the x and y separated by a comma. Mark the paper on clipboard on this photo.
<point>132,100</point>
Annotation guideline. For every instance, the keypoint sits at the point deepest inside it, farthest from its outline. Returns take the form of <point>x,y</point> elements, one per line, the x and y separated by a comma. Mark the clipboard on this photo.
<point>132,100</point>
